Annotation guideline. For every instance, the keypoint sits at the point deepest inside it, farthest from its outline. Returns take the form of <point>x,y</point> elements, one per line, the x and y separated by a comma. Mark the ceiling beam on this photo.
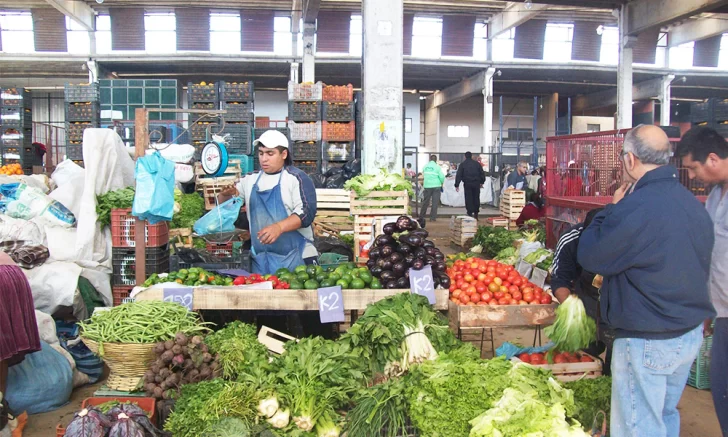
<point>640,91</point>
<point>76,10</point>
<point>644,15</point>
<point>696,30</point>
<point>513,14</point>
<point>468,87</point>
<point>311,10</point>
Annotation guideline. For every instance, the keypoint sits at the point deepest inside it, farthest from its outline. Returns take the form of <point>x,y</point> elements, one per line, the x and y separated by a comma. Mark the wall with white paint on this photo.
<point>271,104</point>
<point>579,123</point>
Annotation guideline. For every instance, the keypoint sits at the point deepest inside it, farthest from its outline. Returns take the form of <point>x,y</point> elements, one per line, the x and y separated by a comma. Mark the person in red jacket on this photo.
<point>532,211</point>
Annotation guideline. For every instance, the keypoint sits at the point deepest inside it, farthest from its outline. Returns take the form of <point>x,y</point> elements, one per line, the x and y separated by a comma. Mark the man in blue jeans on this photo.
<point>653,247</point>
<point>704,153</point>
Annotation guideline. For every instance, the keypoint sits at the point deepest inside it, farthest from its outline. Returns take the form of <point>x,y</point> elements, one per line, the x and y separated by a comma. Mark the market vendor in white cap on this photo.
<point>281,206</point>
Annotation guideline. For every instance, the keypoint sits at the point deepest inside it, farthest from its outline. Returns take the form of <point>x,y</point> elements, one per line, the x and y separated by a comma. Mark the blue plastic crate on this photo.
<point>246,163</point>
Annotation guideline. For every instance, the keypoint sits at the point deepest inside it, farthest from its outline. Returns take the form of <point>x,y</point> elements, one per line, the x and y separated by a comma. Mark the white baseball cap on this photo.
<point>272,139</point>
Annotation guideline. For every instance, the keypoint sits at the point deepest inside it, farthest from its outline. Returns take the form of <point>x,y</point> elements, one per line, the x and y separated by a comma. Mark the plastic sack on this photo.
<point>42,382</point>
<point>221,219</point>
<point>352,168</point>
<point>510,350</point>
<point>27,203</point>
<point>154,199</point>
<point>319,180</point>
<point>183,173</point>
<point>180,153</point>
<point>336,181</point>
<point>528,248</point>
<point>333,171</point>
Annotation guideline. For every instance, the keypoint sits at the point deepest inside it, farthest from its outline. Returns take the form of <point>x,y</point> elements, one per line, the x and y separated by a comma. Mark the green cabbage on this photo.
<point>509,256</point>
<point>383,181</point>
<point>573,329</point>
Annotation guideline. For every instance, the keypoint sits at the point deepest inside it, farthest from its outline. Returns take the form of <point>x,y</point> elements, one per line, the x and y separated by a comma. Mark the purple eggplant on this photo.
<point>403,282</point>
<point>428,243</point>
<point>392,284</point>
<point>387,265</point>
<point>420,253</point>
<point>396,257</point>
<point>415,240</point>
<point>384,240</point>
<point>405,223</point>
<point>387,251</point>
<point>404,248</point>
<point>439,256</point>
<point>371,263</point>
<point>375,253</point>
<point>440,266</point>
<point>399,269</point>
<point>421,232</point>
<point>376,271</point>
<point>418,264</point>
<point>430,260</point>
<point>409,258</point>
<point>387,276</point>
<point>389,228</point>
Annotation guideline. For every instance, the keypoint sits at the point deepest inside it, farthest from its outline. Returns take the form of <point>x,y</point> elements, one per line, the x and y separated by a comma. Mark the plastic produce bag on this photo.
<point>221,219</point>
<point>336,181</point>
<point>319,180</point>
<point>333,171</point>
<point>154,199</point>
<point>25,202</point>
<point>352,168</point>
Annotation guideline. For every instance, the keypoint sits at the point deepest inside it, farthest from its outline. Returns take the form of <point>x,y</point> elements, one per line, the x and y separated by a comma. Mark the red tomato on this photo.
<point>516,294</point>
<point>470,290</point>
<point>453,287</point>
<point>482,277</point>
<point>539,289</point>
<point>573,360</point>
<point>536,358</point>
<point>522,302</point>
<point>473,264</point>
<point>504,301</point>
<point>458,276</point>
<point>534,302</point>
<point>502,274</point>
<point>585,359</point>
<point>506,284</point>
<point>460,283</point>
<point>526,289</point>
<point>493,287</point>
<point>513,289</point>
<point>493,302</point>
<point>490,275</point>
<point>498,295</point>
<point>480,287</point>
<point>503,289</point>
<point>528,296</point>
<point>459,264</point>
<point>492,262</point>
<point>468,278</point>
<point>482,268</point>
<point>475,297</point>
<point>546,299</point>
<point>517,281</point>
<point>486,296</point>
<point>464,298</point>
<point>513,302</point>
<point>457,293</point>
<point>507,296</point>
<point>498,281</point>
<point>490,269</point>
<point>525,358</point>
<point>558,359</point>
<point>487,281</point>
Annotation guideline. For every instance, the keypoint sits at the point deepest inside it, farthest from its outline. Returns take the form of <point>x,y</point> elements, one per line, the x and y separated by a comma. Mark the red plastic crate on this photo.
<point>224,250</point>
<point>149,405</point>
<point>123,230</point>
<point>332,131</point>
<point>338,93</point>
<point>119,293</point>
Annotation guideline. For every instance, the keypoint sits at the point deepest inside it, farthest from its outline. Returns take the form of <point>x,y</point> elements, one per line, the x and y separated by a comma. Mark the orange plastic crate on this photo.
<point>332,131</point>
<point>338,93</point>
<point>119,293</point>
<point>123,230</point>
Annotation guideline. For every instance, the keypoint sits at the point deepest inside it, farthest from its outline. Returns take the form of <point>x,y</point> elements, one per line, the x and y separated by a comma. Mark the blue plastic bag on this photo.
<point>221,219</point>
<point>154,198</point>
<point>510,350</point>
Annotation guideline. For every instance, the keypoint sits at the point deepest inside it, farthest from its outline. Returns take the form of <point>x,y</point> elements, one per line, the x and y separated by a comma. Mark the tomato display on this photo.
<point>556,358</point>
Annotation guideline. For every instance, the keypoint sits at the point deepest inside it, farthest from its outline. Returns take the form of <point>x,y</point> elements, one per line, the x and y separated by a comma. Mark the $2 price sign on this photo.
<point>421,283</point>
<point>331,304</point>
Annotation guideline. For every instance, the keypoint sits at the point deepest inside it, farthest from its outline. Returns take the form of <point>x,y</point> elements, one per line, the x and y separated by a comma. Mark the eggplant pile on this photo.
<point>392,256</point>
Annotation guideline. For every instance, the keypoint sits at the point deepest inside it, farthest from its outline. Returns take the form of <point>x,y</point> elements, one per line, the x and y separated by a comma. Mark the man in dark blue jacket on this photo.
<point>653,247</point>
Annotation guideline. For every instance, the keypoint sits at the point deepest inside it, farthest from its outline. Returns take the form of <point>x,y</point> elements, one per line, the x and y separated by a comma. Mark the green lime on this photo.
<point>344,284</point>
<point>311,284</point>
<point>357,284</point>
<point>327,283</point>
<point>334,276</point>
<point>321,276</point>
<point>282,271</point>
<point>286,277</point>
<point>311,270</point>
<point>319,269</point>
<point>350,265</point>
<point>296,284</point>
<point>303,276</point>
<point>366,277</point>
<point>363,270</point>
<point>354,273</point>
<point>375,285</point>
<point>348,278</point>
<point>300,269</point>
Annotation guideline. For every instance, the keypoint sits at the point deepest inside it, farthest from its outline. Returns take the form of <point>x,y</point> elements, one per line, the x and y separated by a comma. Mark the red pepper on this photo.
<point>240,280</point>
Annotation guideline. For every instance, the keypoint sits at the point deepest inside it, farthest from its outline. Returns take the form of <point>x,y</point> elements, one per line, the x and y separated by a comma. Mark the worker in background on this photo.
<point>517,178</point>
<point>281,206</point>
<point>409,171</point>
<point>568,276</point>
<point>704,153</point>
<point>653,246</point>
<point>471,174</point>
<point>434,178</point>
<point>533,210</point>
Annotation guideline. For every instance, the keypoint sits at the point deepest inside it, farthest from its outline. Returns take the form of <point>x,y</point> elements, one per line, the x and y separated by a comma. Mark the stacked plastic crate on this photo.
<point>238,99</point>
<point>712,113</point>
<point>304,124</point>
<point>82,112</point>
<point>123,256</point>
<point>16,129</point>
<point>202,95</point>
<point>339,127</point>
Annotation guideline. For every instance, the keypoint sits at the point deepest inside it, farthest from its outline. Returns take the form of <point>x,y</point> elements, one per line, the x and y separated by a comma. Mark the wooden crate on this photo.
<point>380,203</point>
<point>367,227</point>
<point>486,316</point>
<point>332,209</point>
<point>514,197</point>
<point>499,222</point>
<point>234,169</point>
<point>463,229</point>
<point>210,192</point>
<point>512,203</point>
<point>572,371</point>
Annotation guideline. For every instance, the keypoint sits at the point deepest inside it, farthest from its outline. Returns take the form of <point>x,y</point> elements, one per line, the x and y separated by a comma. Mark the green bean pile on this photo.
<point>141,322</point>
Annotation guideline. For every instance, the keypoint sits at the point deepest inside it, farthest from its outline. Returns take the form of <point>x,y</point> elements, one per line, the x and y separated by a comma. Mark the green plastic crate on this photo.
<point>700,371</point>
<point>328,259</point>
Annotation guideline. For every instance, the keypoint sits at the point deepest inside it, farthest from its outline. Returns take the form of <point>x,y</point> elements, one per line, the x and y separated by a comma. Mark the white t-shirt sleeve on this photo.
<point>240,186</point>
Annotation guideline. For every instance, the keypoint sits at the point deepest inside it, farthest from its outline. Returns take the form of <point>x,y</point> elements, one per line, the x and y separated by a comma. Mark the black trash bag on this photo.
<point>333,171</point>
<point>352,168</point>
<point>336,181</point>
<point>332,245</point>
<point>319,180</point>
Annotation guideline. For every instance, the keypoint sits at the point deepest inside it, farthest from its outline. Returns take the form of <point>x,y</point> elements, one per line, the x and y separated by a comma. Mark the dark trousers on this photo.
<point>718,375</point>
<point>472,198</point>
<point>434,194</point>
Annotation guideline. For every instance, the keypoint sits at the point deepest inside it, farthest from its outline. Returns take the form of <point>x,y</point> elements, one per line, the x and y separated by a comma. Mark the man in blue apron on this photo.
<point>281,206</point>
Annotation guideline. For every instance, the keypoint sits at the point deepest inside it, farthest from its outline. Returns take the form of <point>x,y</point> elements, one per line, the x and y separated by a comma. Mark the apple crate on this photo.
<point>333,131</point>
<point>308,166</point>
<point>338,93</point>
<point>15,98</point>
<point>82,92</point>
<point>16,118</point>
<point>203,131</point>
<point>123,230</point>
<point>74,129</point>
<point>572,371</point>
<point>236,91</point>
<point>82,111</point>
<point>203,105</point>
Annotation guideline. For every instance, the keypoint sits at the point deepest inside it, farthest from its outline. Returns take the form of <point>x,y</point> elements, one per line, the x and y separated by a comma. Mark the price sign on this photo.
<point>524,268</point>
<point>182,296</point>
<point>539,277</point>
<point>421,283</point>
<point>331,304</point>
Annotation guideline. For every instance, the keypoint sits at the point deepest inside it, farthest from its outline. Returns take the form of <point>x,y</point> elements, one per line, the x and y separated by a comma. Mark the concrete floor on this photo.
<point>696,406</point>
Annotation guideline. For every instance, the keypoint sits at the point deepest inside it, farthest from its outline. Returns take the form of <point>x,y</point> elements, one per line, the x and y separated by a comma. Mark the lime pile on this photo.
<point>311,277</point>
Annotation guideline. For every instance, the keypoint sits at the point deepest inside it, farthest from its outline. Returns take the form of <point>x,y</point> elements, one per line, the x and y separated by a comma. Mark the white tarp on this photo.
<point>54,284</point>
<point>450,197</point>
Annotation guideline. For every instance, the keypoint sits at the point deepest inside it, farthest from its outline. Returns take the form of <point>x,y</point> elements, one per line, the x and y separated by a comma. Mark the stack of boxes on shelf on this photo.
<point>712,113</point>
<point>304,124</point>
<point>339,127</point>
<point>238,99</point>
<point>123,254</point>
<point>202,96</point>
<point>82,112</point>
<point>16,127</point>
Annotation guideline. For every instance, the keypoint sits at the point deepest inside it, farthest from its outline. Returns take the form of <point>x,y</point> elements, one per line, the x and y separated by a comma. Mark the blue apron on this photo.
<point>267,208</point>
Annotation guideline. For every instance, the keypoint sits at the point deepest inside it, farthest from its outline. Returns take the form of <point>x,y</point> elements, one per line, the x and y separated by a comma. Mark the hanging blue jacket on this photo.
<point>653,249</point>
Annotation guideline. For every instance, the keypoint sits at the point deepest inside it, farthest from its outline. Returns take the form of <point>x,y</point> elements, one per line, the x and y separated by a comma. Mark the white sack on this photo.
<point>46,327</point>
<point>22,230</point>
<point>180,153</point>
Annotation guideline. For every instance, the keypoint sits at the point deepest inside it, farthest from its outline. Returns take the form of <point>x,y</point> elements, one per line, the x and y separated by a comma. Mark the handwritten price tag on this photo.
<point>421,283</point>
<point>331,304</point>
<point>182,296</point>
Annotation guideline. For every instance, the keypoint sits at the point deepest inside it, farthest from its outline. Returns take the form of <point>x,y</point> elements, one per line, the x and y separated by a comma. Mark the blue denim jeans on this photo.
<point>719,372</point>
<point>648,379</point>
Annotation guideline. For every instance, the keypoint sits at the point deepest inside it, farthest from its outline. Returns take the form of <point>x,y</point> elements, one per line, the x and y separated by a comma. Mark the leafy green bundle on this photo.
<point>590,397</point>
<point>494,240</point>
<point>379,410</point>
<point>192,207</point>
<point>383,181</point>
<point>572,330</point>
<point>119,199</point>
<point>240,351</point>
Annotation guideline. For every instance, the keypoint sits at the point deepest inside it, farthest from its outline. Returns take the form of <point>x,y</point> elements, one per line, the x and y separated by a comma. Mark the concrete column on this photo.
<point>488,144</point>
<point>382,85</point>
<point>309,52</point>
<point>93,71</point>
<point>92,43</point>
<point>489,45</point>
<point>552,115</point>
<point>624,73</point>
<point>294,72</point>
<point>665,99</point>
